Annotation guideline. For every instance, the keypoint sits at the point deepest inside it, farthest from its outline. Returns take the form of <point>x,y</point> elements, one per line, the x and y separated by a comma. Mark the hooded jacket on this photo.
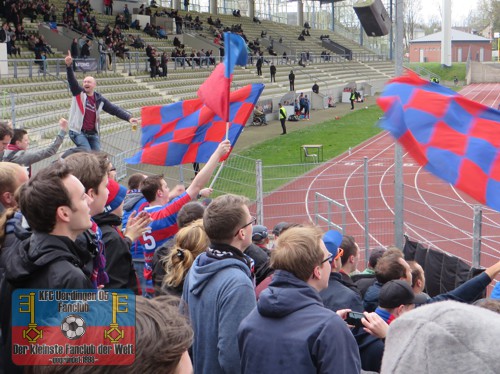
<point>291,331</point>
<point>47,261</point>
<point>219,294</point>
<point>119,264</point>
<point>42,261</point>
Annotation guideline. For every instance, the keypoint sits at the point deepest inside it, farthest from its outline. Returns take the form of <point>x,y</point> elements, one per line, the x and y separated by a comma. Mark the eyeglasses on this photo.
<point>252,222</point>
<point>332,258</point>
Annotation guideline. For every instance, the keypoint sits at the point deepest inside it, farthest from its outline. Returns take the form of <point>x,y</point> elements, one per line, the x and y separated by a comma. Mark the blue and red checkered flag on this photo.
<point>187,131</point>
<point>454,138</point>
<point>53,27</point>
<point>214,92</point>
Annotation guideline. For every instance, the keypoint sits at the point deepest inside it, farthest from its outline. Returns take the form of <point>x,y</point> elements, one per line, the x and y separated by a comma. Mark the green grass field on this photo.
<point>336,136</point>
<point>446,73</point>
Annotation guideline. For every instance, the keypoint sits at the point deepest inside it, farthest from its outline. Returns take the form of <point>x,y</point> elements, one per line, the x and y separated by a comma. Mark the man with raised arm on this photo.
<point>163,211</point>
<point>86,108</point>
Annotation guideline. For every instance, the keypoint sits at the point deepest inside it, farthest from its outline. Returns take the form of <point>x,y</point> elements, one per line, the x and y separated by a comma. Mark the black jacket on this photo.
<point>119,264</point>
<point>261,262</point>
<point>41,261</point>
<point>47,261</point>
<point>371,350</point>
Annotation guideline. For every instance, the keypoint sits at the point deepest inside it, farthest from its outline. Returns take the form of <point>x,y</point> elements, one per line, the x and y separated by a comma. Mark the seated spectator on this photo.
<point>256,20</point>
<point>136,25</point>
<point>315,88</point>
<point>306,25</point>
<point>301,38</point>
<point>13,48</point>
<point>443,335</point>
<point>161,32</point>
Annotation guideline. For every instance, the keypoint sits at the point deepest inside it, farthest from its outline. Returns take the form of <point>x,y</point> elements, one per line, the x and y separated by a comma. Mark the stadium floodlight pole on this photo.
<point>398,153</point>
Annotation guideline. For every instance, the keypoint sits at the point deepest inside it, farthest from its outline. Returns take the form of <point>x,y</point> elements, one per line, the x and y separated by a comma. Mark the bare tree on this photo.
<point>412,18</point>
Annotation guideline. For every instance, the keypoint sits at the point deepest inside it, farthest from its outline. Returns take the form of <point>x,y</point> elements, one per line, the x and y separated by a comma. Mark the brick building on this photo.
<point>428,48</point>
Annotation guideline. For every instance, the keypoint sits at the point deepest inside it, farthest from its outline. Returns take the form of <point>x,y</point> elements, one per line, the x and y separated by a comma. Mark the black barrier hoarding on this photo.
<point>88,64</point>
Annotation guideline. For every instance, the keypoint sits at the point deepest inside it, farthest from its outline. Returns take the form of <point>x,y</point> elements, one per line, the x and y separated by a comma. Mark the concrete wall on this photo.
<point>483,72</point>
<point>432,51</point>
<point>194,42</point>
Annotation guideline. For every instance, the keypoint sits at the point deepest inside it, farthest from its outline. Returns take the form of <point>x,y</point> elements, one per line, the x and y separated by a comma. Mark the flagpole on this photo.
<point>227,48</point>
<point>217,174</point>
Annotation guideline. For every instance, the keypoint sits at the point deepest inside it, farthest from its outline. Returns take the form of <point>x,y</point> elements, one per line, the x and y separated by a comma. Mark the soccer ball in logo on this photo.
<point>73,326</point>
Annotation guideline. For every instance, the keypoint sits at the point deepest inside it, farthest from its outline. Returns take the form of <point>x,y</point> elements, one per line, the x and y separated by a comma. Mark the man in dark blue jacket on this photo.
<point>291,331</point>
<point>338,294</point>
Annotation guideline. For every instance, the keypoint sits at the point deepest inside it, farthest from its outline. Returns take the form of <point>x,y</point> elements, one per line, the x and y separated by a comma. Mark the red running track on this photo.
<point>435,213</point>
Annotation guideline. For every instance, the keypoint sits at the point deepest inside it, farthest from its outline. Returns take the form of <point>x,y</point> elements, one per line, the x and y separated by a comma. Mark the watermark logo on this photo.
<point>73,327</point>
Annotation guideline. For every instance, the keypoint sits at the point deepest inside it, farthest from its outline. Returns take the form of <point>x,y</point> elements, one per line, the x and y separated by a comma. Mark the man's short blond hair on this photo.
<point>298,251</point>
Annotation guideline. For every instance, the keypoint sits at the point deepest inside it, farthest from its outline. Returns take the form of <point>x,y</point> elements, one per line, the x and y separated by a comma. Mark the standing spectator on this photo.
<point>164,212</point>
<point>5,35</point>
<point>352,98</point>
<point>186,5</point>
<point>307,105</point>
<point>74,50</point>
<point>163,64</point>
<point>153,64</point>
<point>86,107</point>
<point>447,337</point>
<point>85,52</point>
<point>282,115</point>
<point>6,134</point>
<point>50,258</point>
<point>272,69</point>
<point>18,152</point>
<point>291,331</point>
<point>338,295</point>
<point>108,7</point>
<point>350,259</point>
<point>190,242</point>
<point>218,290</point>
<point>178,24</point>
<point>258,65</point>
<point>315,88</point>
<point>119,266</point>
<point>126,14</point>
<point>291,78</point>
<point>188,214</point>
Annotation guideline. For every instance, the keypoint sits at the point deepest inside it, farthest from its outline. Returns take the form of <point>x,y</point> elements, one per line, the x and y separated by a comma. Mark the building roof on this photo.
<point>456,36</point>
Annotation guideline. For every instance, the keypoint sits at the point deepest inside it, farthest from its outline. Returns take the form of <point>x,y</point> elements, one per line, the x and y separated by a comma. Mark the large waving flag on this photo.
<point>214,92</point>
<point>188,131</point>
<point>454,138</point>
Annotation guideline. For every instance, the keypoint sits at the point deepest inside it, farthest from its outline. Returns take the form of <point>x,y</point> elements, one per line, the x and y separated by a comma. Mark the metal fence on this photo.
<point>355,196</point>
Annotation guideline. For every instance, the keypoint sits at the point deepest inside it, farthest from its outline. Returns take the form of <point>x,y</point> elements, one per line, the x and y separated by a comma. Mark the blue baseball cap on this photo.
<point>332,240</point>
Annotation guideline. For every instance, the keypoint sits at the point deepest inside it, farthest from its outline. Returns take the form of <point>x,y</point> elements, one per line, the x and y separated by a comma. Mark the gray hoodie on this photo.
<point>219,294</point>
